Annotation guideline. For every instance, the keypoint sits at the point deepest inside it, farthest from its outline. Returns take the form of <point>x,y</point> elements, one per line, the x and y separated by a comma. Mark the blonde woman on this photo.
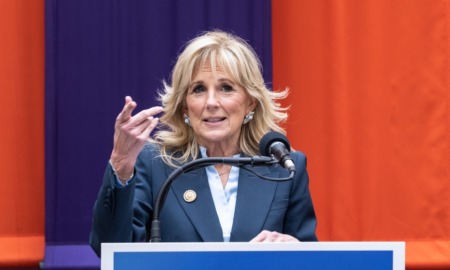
<point>216,105</point>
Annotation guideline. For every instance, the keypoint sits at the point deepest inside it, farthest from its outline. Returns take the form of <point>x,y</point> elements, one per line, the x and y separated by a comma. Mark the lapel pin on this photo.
<point>189,195</point>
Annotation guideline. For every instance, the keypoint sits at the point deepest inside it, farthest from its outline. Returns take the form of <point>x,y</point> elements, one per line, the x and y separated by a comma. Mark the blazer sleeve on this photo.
<point>300,220</point>
<point>122,214</point>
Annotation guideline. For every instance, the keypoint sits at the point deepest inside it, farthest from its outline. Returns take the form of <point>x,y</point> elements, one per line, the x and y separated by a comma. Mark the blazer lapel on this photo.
<point>253,202</point>
<point>201,212</point>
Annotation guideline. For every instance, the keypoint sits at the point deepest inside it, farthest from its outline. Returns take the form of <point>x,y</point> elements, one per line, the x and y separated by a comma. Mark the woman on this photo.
<point>217,106</point>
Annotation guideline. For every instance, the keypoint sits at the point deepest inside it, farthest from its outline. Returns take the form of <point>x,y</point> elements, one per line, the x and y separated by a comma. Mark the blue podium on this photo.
<point>234,256</point>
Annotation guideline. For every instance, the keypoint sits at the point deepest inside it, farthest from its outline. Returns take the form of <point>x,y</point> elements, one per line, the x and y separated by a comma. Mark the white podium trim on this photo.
<point>398,248</point>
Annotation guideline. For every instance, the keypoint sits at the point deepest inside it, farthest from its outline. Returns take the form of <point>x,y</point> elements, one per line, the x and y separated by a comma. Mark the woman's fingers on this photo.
<point>260,237</point>
<point>131,133</point>
<point>268,236</point>
<point>128,108</point>
<point>146,132</point>
<point>136,125</point>
<point>145,115</point>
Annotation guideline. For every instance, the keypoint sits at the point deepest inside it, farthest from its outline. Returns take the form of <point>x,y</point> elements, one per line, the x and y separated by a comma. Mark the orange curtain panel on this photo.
<point>22,132</point>
<point>370,107</point>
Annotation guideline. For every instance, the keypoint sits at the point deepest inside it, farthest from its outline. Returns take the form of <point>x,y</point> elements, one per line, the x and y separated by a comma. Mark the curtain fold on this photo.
<point>22,132</point>
<point>370,107</point>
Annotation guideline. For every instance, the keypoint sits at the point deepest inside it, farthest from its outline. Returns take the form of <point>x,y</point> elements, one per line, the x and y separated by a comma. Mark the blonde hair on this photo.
<point>216,48</point>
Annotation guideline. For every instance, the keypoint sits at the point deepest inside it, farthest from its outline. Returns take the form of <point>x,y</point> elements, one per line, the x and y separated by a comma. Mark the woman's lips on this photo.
<point>214,119</point>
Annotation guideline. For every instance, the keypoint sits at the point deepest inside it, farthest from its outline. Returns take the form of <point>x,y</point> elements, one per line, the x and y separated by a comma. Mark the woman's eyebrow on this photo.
<point>226,80</point>
<point>196,82</point>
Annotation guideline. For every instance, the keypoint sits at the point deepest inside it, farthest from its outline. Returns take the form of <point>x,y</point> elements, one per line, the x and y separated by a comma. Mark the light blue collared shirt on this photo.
<point>224,198</point>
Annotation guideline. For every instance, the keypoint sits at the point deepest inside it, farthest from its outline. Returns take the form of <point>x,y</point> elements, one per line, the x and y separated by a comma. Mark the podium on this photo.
<point>235,256</point>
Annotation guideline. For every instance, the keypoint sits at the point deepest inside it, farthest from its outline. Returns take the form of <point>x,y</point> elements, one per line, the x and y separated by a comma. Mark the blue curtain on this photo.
<point>98,51</point>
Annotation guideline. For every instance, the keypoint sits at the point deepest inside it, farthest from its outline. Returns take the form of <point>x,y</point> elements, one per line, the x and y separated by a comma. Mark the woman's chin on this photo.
<point>214,137</point>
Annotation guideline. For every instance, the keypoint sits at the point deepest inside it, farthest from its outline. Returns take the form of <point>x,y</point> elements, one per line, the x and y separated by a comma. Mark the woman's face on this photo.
<point>217,108</point>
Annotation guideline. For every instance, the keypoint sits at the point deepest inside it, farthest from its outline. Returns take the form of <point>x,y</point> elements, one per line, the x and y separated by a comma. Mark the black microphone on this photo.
<point>277,145</point>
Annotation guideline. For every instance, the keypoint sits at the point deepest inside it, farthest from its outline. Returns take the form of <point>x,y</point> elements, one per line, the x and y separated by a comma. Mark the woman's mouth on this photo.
<point>214,119</point>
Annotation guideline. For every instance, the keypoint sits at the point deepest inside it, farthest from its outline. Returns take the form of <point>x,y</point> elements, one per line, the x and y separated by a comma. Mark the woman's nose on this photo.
<point>212,99</point>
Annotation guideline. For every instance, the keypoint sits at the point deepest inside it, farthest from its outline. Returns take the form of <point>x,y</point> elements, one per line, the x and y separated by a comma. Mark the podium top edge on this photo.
<point>249,246</point>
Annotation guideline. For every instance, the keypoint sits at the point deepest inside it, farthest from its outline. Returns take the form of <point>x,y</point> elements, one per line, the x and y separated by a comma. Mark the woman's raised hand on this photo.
<point>130,136</point>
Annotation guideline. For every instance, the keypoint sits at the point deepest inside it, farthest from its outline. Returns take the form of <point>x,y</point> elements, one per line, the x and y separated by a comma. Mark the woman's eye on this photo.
<point>227,88</point>
<point>198,89</point>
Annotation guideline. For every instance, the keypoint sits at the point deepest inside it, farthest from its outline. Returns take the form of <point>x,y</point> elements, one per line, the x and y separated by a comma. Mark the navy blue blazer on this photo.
<point>124,214</point>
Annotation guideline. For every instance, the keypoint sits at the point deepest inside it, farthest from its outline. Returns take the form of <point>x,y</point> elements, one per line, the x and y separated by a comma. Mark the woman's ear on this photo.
<point>252,104</point>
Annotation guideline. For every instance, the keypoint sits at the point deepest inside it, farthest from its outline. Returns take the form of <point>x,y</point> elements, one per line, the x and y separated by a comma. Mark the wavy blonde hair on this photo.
<point>216,48</point>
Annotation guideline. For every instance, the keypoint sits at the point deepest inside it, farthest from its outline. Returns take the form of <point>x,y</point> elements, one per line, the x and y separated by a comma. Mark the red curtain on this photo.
<point>22,132</point>
<point>370,107</point>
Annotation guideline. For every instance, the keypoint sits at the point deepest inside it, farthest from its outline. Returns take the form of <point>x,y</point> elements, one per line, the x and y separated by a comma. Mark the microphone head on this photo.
<point>268,139</point>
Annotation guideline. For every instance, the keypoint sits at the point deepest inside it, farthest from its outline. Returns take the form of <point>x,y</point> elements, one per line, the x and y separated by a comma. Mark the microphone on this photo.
<point>277,145</point>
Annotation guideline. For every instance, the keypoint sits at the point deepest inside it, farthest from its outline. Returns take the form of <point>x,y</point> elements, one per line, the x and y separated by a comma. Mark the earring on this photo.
<point>187,120</point>
<point>248,117</point>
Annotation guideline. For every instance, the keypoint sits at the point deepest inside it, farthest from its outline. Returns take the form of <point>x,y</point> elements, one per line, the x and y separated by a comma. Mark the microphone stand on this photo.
<point>155,231</point>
